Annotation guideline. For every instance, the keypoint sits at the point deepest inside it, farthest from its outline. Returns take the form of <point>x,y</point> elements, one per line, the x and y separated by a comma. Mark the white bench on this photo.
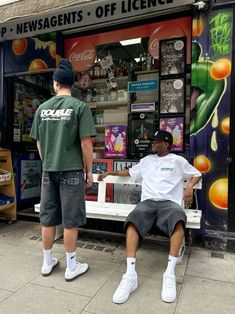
<point>101,209</point>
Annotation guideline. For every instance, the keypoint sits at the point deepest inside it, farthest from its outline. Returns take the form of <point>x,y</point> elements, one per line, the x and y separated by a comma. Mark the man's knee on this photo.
<point>131,228</point>
<point>179,227</point>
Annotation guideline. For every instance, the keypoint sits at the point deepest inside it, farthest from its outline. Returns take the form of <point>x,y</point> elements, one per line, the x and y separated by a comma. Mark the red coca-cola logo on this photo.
<point>82,55</point>
<point>163,32</point>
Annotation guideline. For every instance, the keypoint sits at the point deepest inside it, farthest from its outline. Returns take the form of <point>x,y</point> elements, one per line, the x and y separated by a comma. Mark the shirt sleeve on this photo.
<point>86,123</point>
<point>135,172</point>
<point>190,171</point>
<point>34,132</point>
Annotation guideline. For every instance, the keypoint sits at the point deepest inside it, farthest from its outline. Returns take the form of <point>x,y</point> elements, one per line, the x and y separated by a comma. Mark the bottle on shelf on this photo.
<point>120,70</point>
<point>155,63</point>
<point>144,63</point>
<point>139,64</point>
<point>113,94</point>
<point>97,69</point>
<point>103,73</point>
<point>91,72</point>
<point>148,62</point>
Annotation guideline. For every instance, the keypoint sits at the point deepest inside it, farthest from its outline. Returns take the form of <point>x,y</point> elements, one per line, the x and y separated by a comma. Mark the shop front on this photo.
<point>141,66</point>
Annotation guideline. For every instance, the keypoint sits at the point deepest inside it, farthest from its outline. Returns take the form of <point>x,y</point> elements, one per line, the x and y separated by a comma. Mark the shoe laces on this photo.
<point>169,281</point>
<point>125,282</point>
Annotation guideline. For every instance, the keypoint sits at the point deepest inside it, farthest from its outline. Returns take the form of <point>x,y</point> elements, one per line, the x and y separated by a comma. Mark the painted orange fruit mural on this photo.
<point>218,193</point>
<point>19,46</point>
<point>197,27</point>
<point>52,49</point>
<point>37,65</point>
<point>220,69</point>
<point>202,163</point>
<point>225,125</point>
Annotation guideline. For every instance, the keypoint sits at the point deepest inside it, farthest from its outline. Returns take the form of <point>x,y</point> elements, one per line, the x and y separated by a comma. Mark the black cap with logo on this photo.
<point>163,136</point>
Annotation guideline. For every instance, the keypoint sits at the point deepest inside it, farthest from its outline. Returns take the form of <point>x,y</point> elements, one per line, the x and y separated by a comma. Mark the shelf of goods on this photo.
<point>7,187</point>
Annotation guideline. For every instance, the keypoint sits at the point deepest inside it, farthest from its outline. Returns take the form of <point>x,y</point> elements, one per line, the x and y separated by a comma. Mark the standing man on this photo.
<point>162,175</point>
<point>63,128</point>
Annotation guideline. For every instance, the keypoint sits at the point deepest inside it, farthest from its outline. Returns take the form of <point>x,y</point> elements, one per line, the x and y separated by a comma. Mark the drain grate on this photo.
<point>35,238</point>
<point>99,248</point>
<point>217,255</point>
<point>89,246</point>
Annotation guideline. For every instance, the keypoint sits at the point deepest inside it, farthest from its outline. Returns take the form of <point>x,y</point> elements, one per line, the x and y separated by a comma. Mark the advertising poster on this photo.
<point>172,96</point>
<point>100,166</point>
<point>29,178</point>
<point>115,141</point>
<point>174,125</point>
<point>124,193</point>
<point>172,56</point>
<point>141,129</point>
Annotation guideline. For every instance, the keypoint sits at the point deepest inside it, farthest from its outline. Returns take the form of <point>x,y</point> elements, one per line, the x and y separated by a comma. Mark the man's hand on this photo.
<point>102,176</point>
<point>188,197</point>
<point>89,180</point>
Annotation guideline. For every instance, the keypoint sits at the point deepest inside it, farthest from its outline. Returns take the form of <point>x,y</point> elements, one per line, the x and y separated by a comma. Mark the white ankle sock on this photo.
<point>130,263</point>
<point>172,260</point>
<point>47,257</point>
<point>71,261</point>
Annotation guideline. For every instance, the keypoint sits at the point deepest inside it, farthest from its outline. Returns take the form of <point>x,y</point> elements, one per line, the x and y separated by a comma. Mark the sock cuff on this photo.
<point>174,258</point>
<point>70,254</point>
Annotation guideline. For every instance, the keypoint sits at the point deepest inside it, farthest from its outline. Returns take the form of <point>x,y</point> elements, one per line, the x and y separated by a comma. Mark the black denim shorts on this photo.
<point>63,199</point>
<point>163,215</point>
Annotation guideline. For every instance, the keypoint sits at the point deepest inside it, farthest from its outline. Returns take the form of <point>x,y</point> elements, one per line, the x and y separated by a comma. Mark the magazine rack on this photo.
<point>7,187</point>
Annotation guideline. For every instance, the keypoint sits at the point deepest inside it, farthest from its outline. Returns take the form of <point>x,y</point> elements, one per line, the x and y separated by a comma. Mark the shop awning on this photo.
<point>29,18</point>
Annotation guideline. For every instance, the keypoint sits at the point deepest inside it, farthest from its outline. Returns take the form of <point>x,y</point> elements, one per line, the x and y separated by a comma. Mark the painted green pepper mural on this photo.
<point>211,89</point>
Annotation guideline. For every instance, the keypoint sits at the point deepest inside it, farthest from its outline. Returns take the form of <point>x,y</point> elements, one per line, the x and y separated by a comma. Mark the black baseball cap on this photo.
<point>164,136</point>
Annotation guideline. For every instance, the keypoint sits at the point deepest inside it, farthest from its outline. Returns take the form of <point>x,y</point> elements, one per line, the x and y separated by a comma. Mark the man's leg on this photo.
<point>169,281</point>
<point>70,239</point>
<point>49,262</point>
<point>129,280</point>
<point>176,239</point>
<point>74,268</point>
<point>132,240</point>
<point>48,236</point>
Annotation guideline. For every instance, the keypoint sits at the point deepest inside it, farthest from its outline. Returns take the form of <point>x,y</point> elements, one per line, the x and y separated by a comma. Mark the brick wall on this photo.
<point>34,7</point>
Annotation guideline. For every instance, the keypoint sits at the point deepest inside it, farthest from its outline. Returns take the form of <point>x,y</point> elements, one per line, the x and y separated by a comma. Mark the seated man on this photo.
<point>162,174</point>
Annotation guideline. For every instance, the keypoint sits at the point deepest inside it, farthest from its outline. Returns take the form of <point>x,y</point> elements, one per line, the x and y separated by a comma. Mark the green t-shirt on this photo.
<point>59,125</point>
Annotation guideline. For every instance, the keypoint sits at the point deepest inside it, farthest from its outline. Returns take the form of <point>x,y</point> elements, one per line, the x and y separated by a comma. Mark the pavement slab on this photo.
<point>204,296</point>
<point>212,265</point>
<point>87,284</point>
<point>145,299</point>
<point>38,299</point>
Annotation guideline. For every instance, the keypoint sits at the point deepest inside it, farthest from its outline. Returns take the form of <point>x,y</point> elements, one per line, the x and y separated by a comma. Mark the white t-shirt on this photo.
<point>163,177</point>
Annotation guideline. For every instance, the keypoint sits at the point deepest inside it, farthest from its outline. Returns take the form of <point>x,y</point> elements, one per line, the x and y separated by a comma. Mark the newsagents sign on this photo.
<point>87,16</point>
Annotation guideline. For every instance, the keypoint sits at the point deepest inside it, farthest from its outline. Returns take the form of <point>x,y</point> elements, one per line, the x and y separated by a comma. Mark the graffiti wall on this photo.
<point>31,54</point>
<point>210,124</point>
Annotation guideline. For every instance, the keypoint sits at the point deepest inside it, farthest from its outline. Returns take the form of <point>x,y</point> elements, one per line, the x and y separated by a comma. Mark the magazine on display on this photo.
<point>172,56</point>
<point>172,96</point>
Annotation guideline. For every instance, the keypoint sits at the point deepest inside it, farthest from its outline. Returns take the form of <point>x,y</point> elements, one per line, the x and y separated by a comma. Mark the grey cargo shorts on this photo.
<point>63,199</point>
<point>161,214</point>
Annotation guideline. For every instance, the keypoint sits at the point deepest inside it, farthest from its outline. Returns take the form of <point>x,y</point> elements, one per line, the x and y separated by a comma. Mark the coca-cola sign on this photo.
<point>82,55</point>
<point>163,32</point>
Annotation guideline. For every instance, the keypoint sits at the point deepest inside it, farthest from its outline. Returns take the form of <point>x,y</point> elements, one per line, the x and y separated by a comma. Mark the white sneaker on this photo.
<point>81,268</point>
<point>47,269</point>
<point>168,288</point>
<point>126,286</point>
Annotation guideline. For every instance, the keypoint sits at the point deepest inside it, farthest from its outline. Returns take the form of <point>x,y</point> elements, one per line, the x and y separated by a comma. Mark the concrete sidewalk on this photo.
<point>205,279</point>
